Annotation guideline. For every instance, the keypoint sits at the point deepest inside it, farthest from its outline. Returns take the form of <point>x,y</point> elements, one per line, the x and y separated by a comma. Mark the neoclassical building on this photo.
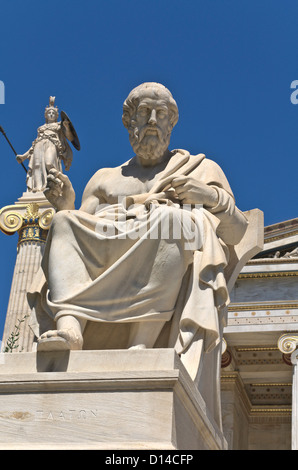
<point>258,373</point>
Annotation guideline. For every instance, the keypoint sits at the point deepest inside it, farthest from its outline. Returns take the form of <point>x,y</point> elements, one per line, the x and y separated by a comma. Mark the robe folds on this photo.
<point>50,138</point>
<point>161,261</point>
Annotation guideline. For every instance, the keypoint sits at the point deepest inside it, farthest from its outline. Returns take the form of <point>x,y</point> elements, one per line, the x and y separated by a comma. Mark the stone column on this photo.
<point>31,218</point>
<point>288,344</point>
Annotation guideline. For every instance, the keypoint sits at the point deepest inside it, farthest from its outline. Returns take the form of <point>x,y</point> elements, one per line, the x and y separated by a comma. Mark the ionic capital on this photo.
<point>27,220</point>
<point>288,342</point>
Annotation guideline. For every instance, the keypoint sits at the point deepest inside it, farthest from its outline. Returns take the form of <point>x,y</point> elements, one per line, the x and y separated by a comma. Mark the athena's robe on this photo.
<point>50,138</point>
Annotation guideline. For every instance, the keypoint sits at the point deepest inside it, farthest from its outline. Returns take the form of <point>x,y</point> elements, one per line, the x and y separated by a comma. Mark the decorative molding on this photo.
<point>257,261</point>
<point>267,307</point>
<point>280,237</point>
<point>256,349</point>
<point>273,384</point>
<point>230,377</point>
<point>286,411</point>
<point>261,321</point>
<point>270,274</point>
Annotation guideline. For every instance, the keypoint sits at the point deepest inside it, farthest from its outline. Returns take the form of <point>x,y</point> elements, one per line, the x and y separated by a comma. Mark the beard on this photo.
<point>148,145</point>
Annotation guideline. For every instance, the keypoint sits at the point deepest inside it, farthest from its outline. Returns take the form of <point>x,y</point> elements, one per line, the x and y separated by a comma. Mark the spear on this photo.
<point>2,130</point>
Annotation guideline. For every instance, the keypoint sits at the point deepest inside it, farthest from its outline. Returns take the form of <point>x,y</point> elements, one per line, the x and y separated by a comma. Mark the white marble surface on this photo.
<point>102,399</point>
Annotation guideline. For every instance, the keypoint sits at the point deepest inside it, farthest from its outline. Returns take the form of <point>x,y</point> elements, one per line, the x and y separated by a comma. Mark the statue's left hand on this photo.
<point>66,124</point>
<point>192,191</point>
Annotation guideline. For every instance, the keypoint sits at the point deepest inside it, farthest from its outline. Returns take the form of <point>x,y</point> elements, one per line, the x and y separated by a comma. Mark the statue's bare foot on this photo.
<point>60,340</point>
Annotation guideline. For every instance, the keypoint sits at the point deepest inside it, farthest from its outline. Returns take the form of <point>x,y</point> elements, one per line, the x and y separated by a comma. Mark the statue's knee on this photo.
<point>61,220</point>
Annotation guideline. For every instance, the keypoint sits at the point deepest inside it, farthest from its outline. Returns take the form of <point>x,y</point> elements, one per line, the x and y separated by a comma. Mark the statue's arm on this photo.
<point>67,130</point>
<point>233,222</point>
<point>208,186</point>
<point>20,158</point>
<point>93,195</point>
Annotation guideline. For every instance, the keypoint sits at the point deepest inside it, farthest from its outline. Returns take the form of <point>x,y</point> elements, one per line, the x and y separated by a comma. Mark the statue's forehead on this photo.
<point>153,100</point>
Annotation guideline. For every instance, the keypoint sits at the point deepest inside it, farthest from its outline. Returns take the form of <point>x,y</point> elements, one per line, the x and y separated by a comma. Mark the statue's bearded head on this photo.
<point>149,114</point>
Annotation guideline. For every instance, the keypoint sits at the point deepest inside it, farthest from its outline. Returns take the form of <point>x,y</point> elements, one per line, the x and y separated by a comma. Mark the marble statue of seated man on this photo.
<point>149,245</point>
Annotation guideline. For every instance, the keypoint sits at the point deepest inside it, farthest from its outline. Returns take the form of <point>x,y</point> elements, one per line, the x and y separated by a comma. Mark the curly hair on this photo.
<point>156,90</point>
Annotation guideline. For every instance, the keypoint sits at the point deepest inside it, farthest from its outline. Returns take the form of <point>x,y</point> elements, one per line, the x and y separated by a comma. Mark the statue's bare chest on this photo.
<point>120,185</point>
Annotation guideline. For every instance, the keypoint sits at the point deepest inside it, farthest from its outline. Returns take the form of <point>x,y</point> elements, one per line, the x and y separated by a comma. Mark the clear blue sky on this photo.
<point>228,63</point>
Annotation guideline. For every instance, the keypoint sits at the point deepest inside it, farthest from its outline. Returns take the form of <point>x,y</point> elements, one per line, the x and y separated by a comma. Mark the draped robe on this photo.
<point>114,267</point>
<point>49,138</point>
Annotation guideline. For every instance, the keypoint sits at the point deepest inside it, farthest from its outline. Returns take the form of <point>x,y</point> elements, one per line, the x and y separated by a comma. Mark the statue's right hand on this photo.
<point>59,190</point>
<point>19,158</point>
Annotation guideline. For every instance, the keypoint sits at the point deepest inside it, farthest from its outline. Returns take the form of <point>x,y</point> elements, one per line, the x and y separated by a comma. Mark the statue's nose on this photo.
<point>152,119</point>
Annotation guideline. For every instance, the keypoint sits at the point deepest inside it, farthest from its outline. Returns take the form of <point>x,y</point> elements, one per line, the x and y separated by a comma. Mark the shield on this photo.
<point>75,140</point>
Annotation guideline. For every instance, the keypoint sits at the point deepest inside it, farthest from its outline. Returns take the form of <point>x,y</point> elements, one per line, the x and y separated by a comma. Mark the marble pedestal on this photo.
<point>124,399</point>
